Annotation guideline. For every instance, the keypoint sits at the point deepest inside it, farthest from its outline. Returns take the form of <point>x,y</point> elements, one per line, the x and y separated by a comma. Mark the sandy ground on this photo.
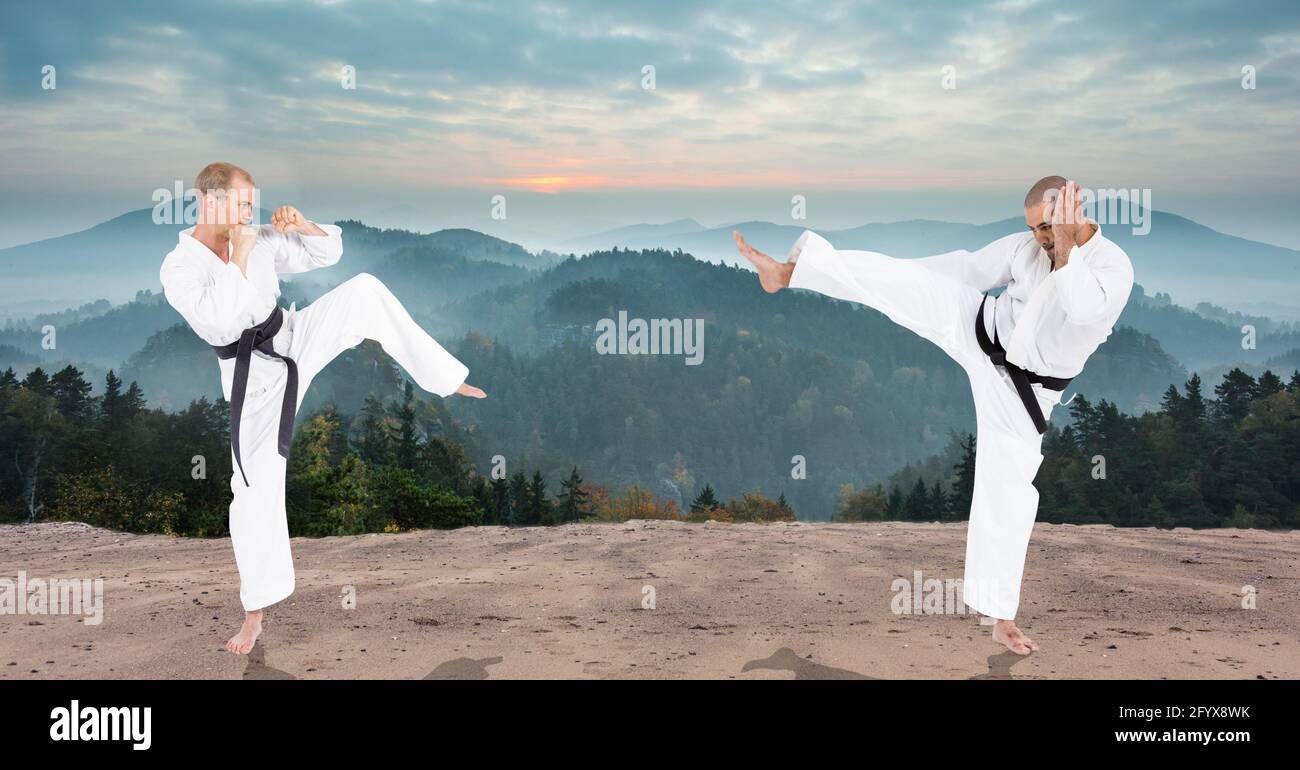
<point>802,601</point>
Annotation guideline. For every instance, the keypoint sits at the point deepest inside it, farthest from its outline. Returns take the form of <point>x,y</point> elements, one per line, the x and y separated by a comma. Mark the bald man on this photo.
<point>222,278</point>
<point>1066,285</point>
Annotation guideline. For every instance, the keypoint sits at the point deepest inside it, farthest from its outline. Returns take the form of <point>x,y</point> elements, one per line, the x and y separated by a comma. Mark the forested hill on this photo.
<point>782,376</point>
<point>786,380</point>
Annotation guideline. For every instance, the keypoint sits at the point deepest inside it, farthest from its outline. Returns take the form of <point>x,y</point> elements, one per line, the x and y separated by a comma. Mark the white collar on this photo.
<point>185,239</point>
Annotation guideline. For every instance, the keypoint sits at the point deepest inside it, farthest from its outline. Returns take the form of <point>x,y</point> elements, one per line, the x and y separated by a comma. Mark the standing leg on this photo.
<point>363,308</point>
<point>259,528</point>
<point>1004,503</point>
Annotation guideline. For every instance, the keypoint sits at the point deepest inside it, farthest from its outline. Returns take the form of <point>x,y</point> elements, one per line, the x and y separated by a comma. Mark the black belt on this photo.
<point>259,338</point>
<point>1021,378</point>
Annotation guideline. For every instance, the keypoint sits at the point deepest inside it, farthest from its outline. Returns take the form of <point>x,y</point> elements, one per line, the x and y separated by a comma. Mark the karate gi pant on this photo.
<point>1008,446</point>
<point>358,309</point>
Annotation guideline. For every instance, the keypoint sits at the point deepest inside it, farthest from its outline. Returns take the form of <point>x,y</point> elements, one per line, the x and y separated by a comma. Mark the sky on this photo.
<point>548,105</point>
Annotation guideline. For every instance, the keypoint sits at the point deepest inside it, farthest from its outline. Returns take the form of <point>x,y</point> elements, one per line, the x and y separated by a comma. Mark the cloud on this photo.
<point>803,95</point>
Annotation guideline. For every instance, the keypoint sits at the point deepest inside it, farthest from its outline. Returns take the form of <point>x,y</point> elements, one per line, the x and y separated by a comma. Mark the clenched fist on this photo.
<point>242,239</point>
<point>288,219</point>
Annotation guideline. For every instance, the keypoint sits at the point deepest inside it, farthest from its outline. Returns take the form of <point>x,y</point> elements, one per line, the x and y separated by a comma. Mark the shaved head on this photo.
<point>1038,193</point>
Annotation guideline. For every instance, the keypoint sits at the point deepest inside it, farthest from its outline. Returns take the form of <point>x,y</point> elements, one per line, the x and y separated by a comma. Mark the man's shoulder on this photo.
<point>1107,249</point>
<point>1019,245</point>
<point>175,256</point>
<point>1017,240</point>
<point>183,258</point>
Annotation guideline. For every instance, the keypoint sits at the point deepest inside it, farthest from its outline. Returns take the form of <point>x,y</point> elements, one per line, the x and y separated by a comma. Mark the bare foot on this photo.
<point>1006,633</point>
<point>469,390</point>
<point>773,275</point>
<point>242,642</point>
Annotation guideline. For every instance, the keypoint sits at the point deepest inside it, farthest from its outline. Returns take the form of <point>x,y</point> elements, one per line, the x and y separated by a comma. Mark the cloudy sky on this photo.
<point>753,102</point>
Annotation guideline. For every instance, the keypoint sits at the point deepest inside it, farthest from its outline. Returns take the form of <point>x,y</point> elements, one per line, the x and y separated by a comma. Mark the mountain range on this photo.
<point>789,375</point>
<point>1187,260</point>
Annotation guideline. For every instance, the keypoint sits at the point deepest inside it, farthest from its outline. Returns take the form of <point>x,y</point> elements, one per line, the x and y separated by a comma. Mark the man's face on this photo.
<point>232,207</point>
<point>1036,217</point>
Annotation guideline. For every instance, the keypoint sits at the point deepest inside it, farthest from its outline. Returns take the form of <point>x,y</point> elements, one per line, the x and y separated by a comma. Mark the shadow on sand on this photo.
<point>463,668</point>
<point>785,659</point>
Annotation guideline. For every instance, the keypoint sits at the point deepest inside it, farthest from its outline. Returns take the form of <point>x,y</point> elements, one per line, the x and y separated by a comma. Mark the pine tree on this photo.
<point>917,505</point>
<point>572,500</point>
<point>1172,401</point>
<point>110,404</point>
<point>938,502</point>
<point>537,506</point>
<point>38,381</point>
<point>519,499</point>
<point>894,505</point>
<point>963,486</point>
<point>705,501</point>
<point>374,444</point>
<point>133,402</point>
<point>1194,403</point>
<point>1234,397</point>
<point>406,442</point>
<point>1268,384</point>
<point>500,512</point>
<point>71,393</point>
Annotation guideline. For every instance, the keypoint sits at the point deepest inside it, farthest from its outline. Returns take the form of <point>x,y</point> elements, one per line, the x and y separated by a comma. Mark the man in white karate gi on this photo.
<point>1066,285</point>
<point>222,279</point>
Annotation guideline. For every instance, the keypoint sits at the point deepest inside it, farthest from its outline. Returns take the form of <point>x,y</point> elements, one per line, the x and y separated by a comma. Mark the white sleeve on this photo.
<point>211,308</point>
<point>985,269</point>
<point>297,253</point>
<point>1094,286</point>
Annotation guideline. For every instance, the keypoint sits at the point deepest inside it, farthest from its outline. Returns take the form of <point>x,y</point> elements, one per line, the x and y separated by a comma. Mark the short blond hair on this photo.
<point>217,176</point>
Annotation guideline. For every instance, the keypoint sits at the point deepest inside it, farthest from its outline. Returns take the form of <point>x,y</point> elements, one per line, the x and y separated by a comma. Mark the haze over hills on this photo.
<point>629,234</point>
<point>1189,261</point>
<point>115,259</point>
<point>789,374</point>
<point>118,258</point>
<point>794,374</point>
<point>1182,258</point>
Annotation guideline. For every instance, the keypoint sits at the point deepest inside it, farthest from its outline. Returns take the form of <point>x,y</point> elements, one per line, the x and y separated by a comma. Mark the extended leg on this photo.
<point>363,308</point>
<point>918,299</point>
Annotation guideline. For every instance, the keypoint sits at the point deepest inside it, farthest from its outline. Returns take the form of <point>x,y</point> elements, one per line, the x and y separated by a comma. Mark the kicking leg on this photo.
<point>363,308</point>
<point>908,293</point>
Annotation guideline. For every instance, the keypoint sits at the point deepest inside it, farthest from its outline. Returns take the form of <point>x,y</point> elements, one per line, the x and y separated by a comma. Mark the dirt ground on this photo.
<point>805,601</point>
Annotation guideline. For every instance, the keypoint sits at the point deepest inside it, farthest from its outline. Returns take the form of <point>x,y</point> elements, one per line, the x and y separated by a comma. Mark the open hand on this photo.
<point>1068,222</point>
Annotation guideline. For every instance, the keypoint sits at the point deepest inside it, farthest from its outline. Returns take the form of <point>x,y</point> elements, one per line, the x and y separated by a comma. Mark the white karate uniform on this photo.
<point>219,302</point>
<point>1048,321</point>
